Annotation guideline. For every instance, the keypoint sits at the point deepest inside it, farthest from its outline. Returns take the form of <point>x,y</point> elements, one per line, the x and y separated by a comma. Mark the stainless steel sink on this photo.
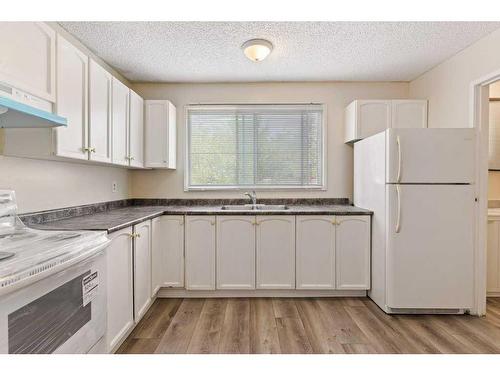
<point>255,207</point>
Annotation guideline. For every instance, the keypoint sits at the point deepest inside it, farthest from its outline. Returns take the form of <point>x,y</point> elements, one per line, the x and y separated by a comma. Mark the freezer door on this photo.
<point>429,259</point>
<point>430,156</point>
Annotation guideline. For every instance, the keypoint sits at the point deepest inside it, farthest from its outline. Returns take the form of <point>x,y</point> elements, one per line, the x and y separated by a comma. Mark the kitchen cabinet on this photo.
<point>160,134</point>
<point>100,87</point>
<point>28,58</point>
<point>120,123</point>
<point>136,131</point>
<point>200,252</point>
<point>120,292</point>
<point>315,252</point>
<point>235,252</point>
<point>72,100</point>
<point>352,252</point>
<point>167,252</point>
<point>275,252</point>
<point>493,257</point>
<point>364,118</point>
<point>142,269</point>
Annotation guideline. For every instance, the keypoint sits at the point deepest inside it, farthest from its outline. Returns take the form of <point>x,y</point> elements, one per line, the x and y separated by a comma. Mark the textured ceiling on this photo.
<point>303,51</point>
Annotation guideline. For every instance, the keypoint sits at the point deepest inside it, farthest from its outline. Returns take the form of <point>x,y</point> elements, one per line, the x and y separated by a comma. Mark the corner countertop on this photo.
<point>119,218</point>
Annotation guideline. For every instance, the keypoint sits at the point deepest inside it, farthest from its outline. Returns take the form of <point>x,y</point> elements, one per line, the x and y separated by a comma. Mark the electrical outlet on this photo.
<point>114,186</point>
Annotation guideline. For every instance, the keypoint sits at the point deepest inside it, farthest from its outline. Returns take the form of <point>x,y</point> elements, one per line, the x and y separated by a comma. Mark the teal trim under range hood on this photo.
<point>18,115</point>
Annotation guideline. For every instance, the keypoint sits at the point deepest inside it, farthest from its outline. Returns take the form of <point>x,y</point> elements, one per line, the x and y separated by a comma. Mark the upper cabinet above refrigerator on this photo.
<point>364,118</point>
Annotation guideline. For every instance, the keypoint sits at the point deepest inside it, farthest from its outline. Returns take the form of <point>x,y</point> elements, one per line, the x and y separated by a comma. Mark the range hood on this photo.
<point>14,114</point>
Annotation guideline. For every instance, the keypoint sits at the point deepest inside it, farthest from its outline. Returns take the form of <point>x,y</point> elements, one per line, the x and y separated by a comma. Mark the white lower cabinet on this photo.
<point>142,268</point>
<point>167,256</point>
<point>352,252</point>
<point>120,293</point>
<point>315,250</point>
<point>275,252</point>
<point>236,252</point>
<point>200,252</point>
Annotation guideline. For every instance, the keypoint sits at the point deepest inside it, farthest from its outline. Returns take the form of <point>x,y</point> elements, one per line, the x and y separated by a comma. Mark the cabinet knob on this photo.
<point>92,149</point>
<point>212,223</point>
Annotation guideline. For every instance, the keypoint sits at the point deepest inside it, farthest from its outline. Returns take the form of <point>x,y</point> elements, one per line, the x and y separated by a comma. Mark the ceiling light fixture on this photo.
<point>257,49</point>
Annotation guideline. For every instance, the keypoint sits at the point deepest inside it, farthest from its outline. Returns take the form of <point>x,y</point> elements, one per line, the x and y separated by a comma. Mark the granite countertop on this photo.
<point>119,218</point>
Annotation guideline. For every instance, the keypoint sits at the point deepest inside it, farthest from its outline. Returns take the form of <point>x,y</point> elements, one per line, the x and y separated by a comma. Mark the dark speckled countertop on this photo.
<point>115,219</point>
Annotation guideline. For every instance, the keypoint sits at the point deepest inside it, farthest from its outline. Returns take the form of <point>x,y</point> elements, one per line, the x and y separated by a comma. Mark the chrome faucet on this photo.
<point>252,196</point>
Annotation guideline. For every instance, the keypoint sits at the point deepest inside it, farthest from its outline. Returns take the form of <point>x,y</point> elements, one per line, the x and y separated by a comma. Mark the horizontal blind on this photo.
<point>255,146</point>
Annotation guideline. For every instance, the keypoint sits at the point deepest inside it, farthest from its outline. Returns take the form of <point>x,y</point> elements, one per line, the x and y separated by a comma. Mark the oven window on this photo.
<point>49,321</point>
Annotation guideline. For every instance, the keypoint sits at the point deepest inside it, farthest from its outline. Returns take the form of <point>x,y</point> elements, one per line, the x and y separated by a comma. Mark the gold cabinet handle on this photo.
<point>92,149</point>
<point>334,222</point>
<point>212,223</point>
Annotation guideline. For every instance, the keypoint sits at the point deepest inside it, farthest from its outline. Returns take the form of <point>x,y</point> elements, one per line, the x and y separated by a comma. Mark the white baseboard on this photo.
<point>183,293</point>
<point>493,294</point>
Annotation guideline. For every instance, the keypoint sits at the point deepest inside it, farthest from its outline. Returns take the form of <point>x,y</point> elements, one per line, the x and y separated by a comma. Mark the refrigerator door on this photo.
<point>431,156</point>
<point>429,261</point>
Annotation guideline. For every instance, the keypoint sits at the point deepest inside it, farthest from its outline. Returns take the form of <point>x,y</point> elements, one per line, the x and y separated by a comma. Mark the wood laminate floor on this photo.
<point>306,325</point>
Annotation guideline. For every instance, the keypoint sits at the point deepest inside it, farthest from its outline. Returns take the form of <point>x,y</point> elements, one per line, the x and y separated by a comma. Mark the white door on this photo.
<point>275,252</point>
<point>200,252</point>
<point>100,86</point>
<point>430,243</point>
<point>315,252</point>
<point>136,139</point>
<point>28,58</point>
<point>142,269</point>
<point>352,252</point>
<point>120,293</point>
<point>372,117</point>
<point>409,114</point>
<point>430,155</point>
<point>72,100</point>
<point>235,252</point>
<point>168,252</point>
<point>120,123</point>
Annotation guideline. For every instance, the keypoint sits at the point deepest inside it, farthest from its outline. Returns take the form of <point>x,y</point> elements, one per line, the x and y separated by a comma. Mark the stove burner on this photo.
<point>5,255</point>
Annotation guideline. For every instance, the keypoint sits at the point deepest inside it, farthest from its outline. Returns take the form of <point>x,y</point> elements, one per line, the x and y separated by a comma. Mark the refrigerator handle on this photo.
<point>398,220</point>
<point>398,141</point>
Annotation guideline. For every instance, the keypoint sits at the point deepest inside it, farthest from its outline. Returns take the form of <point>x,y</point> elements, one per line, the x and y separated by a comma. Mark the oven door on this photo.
<point>62,313</point>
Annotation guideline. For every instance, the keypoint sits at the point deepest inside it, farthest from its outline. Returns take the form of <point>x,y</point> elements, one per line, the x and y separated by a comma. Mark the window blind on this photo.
<point>255,146</point>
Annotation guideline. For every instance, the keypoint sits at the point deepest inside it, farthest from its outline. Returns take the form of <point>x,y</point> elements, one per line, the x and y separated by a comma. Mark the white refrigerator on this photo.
<point>419,184</point>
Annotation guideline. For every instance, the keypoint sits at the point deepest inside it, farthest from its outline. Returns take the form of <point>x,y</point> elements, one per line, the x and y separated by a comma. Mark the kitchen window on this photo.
<point>255,146</point>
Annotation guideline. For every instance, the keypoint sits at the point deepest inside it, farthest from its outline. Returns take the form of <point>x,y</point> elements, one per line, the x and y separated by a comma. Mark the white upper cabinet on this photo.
<point>160,134</point>
<point>28,58</point>
<point>136,131</point>
<point>364,118</point>
<point>236,252</point>
<point>200,252</point>
<point>168,252</point>
<point>352,252</point>
<point>72,100</point>
<point>100,87</point>
<point>120,120</point>
<point>275,252</point>
<point>315,236</point>
<point>142,269</point>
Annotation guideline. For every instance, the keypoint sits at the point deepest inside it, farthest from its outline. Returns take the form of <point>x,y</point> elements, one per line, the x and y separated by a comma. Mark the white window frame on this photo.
<point>324,155</point>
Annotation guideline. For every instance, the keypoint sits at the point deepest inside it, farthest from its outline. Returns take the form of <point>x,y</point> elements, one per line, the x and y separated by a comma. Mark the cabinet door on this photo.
<point>120,293</point>
<point>200,252</point>
<point>160,134</point>
<point>120,123</point>
<point>372,117</point>
<point>72,100</point>
<point>493,257</point>
<point>275,252</point>
<point>168,252</point>
<point>136,139</point>
<point>100,86</point>
<point>315,248</point>
<point>28,58</point>
<point>352,252</point>
<point>409,114</point>
<point>142,269</point>
<point>235,252</point>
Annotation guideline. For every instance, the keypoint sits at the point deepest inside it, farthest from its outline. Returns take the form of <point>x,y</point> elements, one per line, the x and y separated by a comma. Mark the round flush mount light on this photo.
<point>257,49</point>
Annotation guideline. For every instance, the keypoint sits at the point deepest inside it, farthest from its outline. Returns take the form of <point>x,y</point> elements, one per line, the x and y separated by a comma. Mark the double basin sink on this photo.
<point>255,207</point>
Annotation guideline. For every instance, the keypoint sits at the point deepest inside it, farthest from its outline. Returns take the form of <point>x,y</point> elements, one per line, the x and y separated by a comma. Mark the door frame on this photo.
<point>479,119</point>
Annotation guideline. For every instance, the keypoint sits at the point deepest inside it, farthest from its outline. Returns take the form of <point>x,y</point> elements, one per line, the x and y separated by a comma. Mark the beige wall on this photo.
<point>336,95</point>
<point>494,176</point>
<point>447,86</point>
